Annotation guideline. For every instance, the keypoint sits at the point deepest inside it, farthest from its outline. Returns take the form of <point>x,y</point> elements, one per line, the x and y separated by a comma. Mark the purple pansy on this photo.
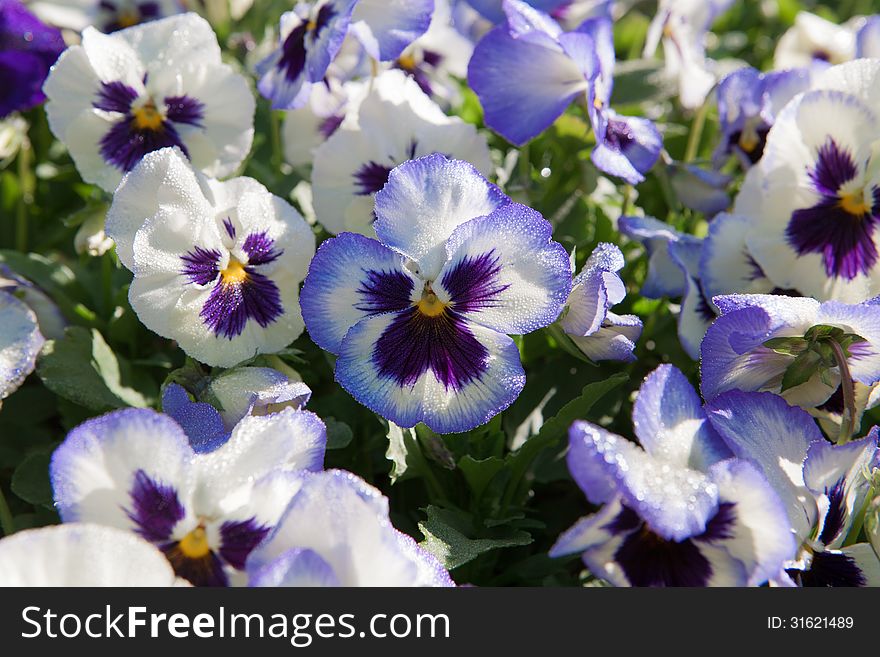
<point>599,333</point>
<point>822,486</point>
<point>28,48</point>
<point>135,469</point>
<point>677,510</point>
<point>420,317</point>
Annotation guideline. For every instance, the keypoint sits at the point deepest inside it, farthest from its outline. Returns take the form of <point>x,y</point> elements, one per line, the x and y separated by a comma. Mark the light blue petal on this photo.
<point>387,27</point>
<point>202,423</point>
<point>665,277</point>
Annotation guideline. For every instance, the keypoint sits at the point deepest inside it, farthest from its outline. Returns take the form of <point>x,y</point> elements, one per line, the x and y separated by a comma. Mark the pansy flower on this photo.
<point>336,532</point>
<point>135,469</point>
<point>49,317</point>
<point>868,38</point>
<point>419,318</point>
<point>216,265</point>
<point>822,486</point>
<point>748,102</point>
<point>726,266</point>
<point>676,510</point>
<point>386,27</point>
<point>698,188</point>
<point>117,97</point>
<point>396,122</point>
<point>27,49</point>
<point>104,15</point>
<point>793,346</point>
<point>814,198</point>
<point>20,342</point>
<point>81,554</point>
<point>682,26</point>
<point>814,42</point>
<point>228,398</point>
<point>599,333</point>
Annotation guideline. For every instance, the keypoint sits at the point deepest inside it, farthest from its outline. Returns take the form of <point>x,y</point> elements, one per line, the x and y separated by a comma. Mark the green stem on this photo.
<point>7,524</point>
<point>277,156</point>
<point>859,521</point>
<point>25,198</point>
<point>696,133</point>
<point>848,421</point>
<point>107,283</point>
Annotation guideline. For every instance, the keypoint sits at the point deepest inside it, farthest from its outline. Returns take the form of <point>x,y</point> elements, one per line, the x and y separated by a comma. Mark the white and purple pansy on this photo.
<point>677,510</point>
<point>700,189</point>
<point>726,266</point>
<point>216,265</point>
<point>82,554</point>
<point>420,317</point>
<point>336,532</point>
<point>868,38</point>
<point>599,333</point>
<point>49,316</point>
<point>395,122</point>
<point>228,398</point>
<point>135,469</point>
<point>386,27</point>
<point>20,342</point>
<point>815,42</point>
<point>682,26</point>
<point>748,102</point>
<point>310,37</point>
<point>823,487</point>
<point>814,198</point>
<point>117,97</point>
<point>626,146</point>
<point>104,15</point>
<point>794,346</point>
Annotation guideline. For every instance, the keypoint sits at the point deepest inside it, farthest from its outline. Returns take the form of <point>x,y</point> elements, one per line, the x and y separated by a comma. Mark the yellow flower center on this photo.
<point>407,62</point>
<point>234,274</point>
<point>749,138</point>
<point>312,25</point>
<point>598,104</point>
<point>147,117</point>
<point>195,544</point>
<point>430,306</point>
<point>129,17</point>
<point>854,203</point>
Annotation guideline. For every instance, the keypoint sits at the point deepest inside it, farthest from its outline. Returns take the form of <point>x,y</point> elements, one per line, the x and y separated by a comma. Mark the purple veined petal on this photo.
<point>675,501</point>
<point>526,18</point>
<point>352,277</point>
<point>670,423</point>
<point>855,565</point>
<point>745,420</point>
<point>201,422</point>
<point>629,147</point>
<point>701,190</point>
<point>299,567</point>
<point>423,203</point>
<point>255,391</point>
<point>759,536</point>
<point>20,342</point>
<point>726,266</point>
<point>443,370</point>
<point>587,532</point>
<point>614,340</point>
<point>523,87</point>
<point>94,471</point>
<point>386,28</point>
<point>696,312</point>
<point>505,272</point>
<point>665,275</point>
<point>863,320</point>
<point>868,39</point>
<point>81,554</point>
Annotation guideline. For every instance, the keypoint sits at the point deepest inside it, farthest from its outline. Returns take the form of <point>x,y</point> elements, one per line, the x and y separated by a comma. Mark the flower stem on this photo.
<point>848,421</point>
<point>696,133</point>
<point>25,197</point>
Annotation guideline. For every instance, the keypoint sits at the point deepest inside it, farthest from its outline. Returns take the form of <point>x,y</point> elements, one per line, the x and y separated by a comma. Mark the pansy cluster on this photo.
<point>437,293</point>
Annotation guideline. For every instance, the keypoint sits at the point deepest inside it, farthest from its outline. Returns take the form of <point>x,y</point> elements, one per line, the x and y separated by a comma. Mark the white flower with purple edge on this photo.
<point>700,189</point>
<point>682,26</point>
<point>336,532</point>
<point>677,510</point>
<point>81,554</point>
<point>394,123</point>
<point>420,318</point>
<point>748,102</point>
<point>104,15</point>
<point>822,486</point>
<point>815,42</point>
<point>20,342</point>
<point>228,398</point>
<point>813,197</point>
<point>599,333</point>
<point>117,97</point>
<point>386,27</point>
<point>868,38</point>
<point>736,356</point>
<point>135,469</point>
<point>216,265</point>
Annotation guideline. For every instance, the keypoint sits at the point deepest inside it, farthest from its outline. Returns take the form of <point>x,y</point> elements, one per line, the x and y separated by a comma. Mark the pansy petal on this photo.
<point>424,201</point>
<point>201,422</point>
<point>587,532</point>
<point>665,277</point>
<point>392,364</point>
<point>725,263</point>
<point>670,423</point>
<point>386,28</point>
<point>505,272</point>
<point>863,320</point>
<point>81,554</point>
<point>631,146</point>
<point>20,342</point>
<point>300,567</point>
<point>257,391</point>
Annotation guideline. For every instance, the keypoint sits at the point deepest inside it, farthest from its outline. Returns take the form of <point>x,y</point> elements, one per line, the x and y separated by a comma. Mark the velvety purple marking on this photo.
<point>200,265</point>
<point>384,291</point>
<point>183,109</point>
<point>147,11</point>
<point>757,152</point>
<point>414,343</point>
<point>419,73</point>
<point>649,560</point>
<point>239,538</point>
<point>830,569</point>
<point>371,177</point>
<point>230,227</point>
<point>833,524</point>
<point>330,125</point>
<point>156,508</point>
<point>201,571</point>
<point>260,249</point>
<point>115,97</point>
<point>845,240</point>
<point>294,51</point>
<point>618,135</point>
<point>231,305</point>
<point>472,283</point>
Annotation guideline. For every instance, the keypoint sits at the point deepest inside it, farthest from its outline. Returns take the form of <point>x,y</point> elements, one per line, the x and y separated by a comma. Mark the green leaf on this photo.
<point>801,370</point>
<point>83,369</point>
<point>30,481</point>
<point>449,537</point>
<point>434,448</point>
<point>339,434</point>
<point>478,473</point>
